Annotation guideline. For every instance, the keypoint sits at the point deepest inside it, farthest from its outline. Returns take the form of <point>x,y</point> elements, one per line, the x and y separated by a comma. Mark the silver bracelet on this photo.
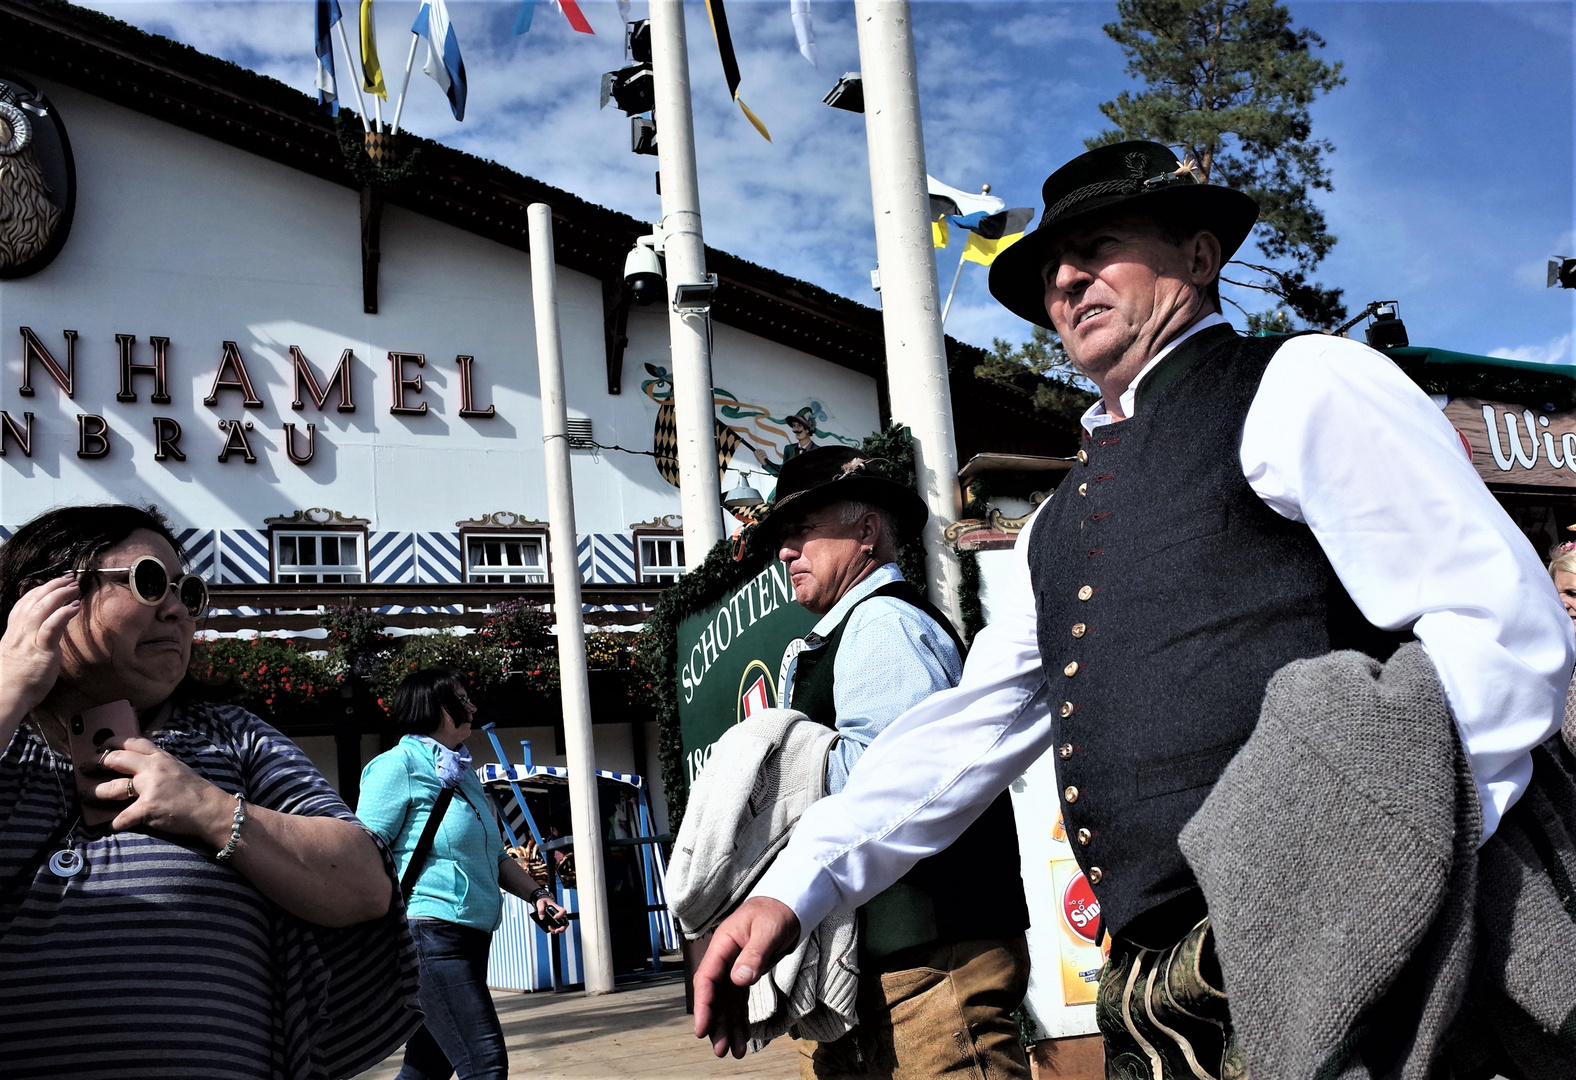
<point>235,830</point>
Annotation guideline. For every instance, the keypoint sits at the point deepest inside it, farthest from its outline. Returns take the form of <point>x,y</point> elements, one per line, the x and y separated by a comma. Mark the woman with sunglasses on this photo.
<point>232,919</point>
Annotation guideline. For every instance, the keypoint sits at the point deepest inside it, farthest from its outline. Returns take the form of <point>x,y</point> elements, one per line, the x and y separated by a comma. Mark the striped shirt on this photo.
<point>158,961</point>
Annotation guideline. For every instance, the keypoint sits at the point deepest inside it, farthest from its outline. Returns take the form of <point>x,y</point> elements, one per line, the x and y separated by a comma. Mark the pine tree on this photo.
<point>1230,81</point>
<point>1041,367</point>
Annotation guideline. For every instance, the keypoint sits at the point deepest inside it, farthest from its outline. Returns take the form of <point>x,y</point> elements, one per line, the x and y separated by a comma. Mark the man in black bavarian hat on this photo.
<point>939,973</point>
<point>1237,504</point>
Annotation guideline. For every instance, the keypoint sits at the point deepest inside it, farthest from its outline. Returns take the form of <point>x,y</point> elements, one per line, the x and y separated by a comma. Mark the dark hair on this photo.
<point>71,538</point>
<point>424,696</point>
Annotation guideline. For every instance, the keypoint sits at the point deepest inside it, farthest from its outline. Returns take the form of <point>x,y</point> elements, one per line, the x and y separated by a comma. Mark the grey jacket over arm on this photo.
<point>1361,932</point>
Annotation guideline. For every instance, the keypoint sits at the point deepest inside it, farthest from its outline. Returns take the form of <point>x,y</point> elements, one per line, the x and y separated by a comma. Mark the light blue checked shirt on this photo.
<point>893,657</point>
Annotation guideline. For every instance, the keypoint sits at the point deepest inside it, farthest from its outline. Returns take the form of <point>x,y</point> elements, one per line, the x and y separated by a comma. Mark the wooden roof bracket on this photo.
<point>616,298</point>
<point>371,245</point>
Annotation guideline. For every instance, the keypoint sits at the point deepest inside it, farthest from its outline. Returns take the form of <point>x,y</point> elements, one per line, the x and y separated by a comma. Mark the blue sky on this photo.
<point>1455,135</point>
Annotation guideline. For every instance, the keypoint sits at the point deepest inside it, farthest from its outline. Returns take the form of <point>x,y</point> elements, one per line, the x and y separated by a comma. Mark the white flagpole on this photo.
<point>916,350</point>
<point>355,71</point>
<point>377,111</point>
<point>410,62</point>
<point>584,815</point>
<point>950,292</point>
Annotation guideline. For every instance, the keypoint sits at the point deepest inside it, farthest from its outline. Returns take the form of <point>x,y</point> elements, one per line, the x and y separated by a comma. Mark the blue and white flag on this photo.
<point>443,53</point>
<point>327,87</point>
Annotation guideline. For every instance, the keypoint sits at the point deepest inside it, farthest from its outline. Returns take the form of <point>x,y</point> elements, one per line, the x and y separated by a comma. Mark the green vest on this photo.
<point>927,904</point>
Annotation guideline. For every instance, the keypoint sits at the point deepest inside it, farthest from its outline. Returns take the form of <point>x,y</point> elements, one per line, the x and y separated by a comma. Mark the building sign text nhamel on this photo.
<point>232,385</point>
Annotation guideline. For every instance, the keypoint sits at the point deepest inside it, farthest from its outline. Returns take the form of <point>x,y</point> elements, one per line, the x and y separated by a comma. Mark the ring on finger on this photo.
<point>131,789</point>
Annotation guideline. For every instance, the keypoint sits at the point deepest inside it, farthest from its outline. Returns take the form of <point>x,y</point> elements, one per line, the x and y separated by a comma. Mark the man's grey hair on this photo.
<point>849,511</point>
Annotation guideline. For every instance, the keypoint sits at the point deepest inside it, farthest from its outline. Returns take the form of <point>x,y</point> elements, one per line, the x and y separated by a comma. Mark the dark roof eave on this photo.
<point>175,83</point>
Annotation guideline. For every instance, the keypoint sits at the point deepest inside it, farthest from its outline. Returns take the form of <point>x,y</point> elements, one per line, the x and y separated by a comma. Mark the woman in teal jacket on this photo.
<point>454,906</point>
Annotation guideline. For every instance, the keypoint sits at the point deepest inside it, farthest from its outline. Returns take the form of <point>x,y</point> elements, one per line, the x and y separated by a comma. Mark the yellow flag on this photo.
<point>983,251</point>
<point>939,236</point>
<point>371,70</point>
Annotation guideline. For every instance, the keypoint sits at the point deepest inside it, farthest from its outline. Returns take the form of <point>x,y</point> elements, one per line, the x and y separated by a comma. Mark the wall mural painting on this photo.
<point>773,438</point>
<point>38,180</point>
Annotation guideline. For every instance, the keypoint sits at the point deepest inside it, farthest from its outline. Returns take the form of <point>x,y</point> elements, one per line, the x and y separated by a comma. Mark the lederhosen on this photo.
<point>1167,595</point>
<point>928,904</point>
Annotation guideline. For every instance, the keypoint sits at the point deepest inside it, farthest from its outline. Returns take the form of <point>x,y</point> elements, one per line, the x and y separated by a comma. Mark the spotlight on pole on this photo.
<point>848,94</point>
<point>1562,272</point>
<point>633,90</point>
<point>694,298</point>
<point>1387,331</point>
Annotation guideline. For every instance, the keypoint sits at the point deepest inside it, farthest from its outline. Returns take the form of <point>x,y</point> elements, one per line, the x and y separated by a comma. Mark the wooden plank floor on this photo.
<point>637,1034</point>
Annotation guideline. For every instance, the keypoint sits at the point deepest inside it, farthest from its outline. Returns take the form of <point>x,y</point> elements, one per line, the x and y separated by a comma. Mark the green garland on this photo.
<point>352,144</point>
<point>656,649</point>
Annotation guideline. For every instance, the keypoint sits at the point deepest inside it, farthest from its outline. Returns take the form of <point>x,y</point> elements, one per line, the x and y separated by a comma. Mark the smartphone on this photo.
<point>90,729</point>
<point>553,920</point>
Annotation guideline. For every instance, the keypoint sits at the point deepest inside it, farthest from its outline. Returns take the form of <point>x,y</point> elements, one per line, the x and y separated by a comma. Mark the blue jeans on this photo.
<point>461,1034</point>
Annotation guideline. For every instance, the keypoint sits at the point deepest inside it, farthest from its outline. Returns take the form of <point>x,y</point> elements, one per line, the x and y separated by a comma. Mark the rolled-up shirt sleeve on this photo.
<point>1339,438</point>
<point>930,774</point>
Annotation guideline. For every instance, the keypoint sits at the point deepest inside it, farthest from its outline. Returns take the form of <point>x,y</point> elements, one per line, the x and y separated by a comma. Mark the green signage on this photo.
<point>729,658</point>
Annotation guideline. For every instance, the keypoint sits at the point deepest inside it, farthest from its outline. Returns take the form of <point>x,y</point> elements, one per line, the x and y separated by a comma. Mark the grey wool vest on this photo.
<point>1167,595</point>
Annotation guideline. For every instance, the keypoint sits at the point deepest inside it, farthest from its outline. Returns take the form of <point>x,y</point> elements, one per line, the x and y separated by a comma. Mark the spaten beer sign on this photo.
<point>1514,444</point>
<point>729,655</point>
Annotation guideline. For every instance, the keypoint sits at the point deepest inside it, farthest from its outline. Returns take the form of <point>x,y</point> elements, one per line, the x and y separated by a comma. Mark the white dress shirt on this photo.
<point>1337,437</point>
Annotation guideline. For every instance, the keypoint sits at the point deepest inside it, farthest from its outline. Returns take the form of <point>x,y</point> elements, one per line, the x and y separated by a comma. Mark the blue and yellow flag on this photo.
<point>371,70</point>
<point>991,234</point>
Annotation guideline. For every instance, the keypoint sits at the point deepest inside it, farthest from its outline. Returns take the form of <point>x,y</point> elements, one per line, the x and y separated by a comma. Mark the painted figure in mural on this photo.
<point>1238,503</point>
<point>739,423</point>
<point>452,899</point>
<point>879,648</point>
<point>802,425</point>
<point>188,896</point>
<point>28,211</point>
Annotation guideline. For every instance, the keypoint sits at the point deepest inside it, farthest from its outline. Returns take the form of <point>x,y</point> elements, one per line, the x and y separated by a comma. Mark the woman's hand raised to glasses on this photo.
<point>30,648</point>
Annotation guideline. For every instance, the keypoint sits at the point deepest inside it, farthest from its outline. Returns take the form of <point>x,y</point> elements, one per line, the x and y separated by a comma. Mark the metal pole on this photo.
<point>584,813</point>
<point>410,62</point>
<point>694,414</point>
<point>910,309</point>
<point>947,307</point>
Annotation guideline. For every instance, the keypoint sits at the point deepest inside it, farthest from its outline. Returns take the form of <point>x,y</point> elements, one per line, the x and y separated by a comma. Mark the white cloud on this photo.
<point>1557,351</point>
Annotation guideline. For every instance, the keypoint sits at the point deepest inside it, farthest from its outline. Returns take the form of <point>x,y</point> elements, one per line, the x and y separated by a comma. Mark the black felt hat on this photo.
<point>1127,177</point>
<point>829,474</point>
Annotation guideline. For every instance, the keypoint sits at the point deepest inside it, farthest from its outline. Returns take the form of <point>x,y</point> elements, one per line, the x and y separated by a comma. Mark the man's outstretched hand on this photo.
<point>745,947</point>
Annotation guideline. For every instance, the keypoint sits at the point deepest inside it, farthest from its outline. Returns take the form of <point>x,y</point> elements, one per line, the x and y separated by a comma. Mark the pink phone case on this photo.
<point>89,731</point>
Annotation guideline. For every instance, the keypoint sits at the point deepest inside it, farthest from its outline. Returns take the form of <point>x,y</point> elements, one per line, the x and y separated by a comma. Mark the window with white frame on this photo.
<point>319,558</point>
<point>506,559</point>
<point>661,557</point>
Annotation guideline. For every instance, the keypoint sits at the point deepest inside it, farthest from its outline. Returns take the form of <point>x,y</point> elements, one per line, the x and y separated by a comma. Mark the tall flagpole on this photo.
<point>689,332</point>
<point>947,307</point>
<point>910,312</point>
<point>585,815</point>
<point>410,62</point>
<point>353,69</point>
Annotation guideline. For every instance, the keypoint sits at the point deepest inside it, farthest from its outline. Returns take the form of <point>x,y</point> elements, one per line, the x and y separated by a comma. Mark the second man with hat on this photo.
<point>940,972</point>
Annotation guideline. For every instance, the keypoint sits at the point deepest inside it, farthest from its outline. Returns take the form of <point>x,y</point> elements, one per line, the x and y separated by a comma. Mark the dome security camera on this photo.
<point>643,272</point>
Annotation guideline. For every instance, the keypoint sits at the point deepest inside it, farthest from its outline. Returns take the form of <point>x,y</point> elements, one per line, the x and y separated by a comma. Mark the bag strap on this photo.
<point>429,832</point>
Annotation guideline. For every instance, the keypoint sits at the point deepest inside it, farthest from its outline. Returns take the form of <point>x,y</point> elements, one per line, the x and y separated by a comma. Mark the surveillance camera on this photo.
<point>643,272</point>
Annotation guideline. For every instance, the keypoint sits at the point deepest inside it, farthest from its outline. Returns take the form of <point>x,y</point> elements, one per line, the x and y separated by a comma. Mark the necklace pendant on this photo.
<point>67,863</point>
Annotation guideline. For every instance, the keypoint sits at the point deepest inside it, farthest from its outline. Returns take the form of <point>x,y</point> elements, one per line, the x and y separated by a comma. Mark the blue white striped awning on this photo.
<point>492,772</point>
